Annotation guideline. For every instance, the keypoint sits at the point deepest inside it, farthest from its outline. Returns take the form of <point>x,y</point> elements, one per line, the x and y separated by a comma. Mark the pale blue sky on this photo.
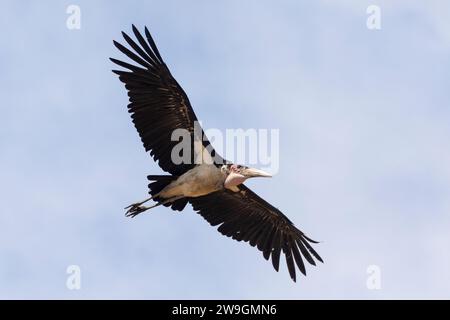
<point>364,160</point>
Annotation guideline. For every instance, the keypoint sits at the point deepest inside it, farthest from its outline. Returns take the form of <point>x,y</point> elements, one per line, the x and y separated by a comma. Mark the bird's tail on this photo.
<point>157,184</point>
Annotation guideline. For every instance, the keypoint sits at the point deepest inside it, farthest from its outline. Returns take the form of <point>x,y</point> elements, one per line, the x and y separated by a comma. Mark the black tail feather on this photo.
<point>158,183</point>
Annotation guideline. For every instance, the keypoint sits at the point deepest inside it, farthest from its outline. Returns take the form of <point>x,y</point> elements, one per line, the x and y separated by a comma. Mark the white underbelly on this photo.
<point>200,181</point>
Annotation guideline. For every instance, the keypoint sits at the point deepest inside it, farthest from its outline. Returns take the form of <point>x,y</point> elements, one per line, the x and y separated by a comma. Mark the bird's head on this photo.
<point>237,174</point>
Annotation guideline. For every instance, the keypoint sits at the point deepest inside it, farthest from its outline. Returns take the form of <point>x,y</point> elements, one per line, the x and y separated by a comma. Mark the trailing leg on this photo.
<point>139,208</point>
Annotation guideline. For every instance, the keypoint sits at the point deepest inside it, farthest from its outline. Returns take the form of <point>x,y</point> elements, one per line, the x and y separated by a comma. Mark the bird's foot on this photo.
<point>135,209</point>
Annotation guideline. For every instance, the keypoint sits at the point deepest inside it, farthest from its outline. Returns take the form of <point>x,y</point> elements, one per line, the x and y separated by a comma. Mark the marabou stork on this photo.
<point>214,187</point>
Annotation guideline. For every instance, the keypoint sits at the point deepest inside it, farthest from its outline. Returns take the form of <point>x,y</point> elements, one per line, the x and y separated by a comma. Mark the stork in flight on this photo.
<point>214,187</point>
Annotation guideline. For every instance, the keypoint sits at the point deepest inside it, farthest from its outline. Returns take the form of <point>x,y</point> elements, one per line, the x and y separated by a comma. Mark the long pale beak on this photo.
<point>251,173</point>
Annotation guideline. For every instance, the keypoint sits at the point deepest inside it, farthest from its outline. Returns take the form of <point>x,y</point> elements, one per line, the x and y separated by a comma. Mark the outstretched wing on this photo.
<point>158,106</point>
<point>244,216</point>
